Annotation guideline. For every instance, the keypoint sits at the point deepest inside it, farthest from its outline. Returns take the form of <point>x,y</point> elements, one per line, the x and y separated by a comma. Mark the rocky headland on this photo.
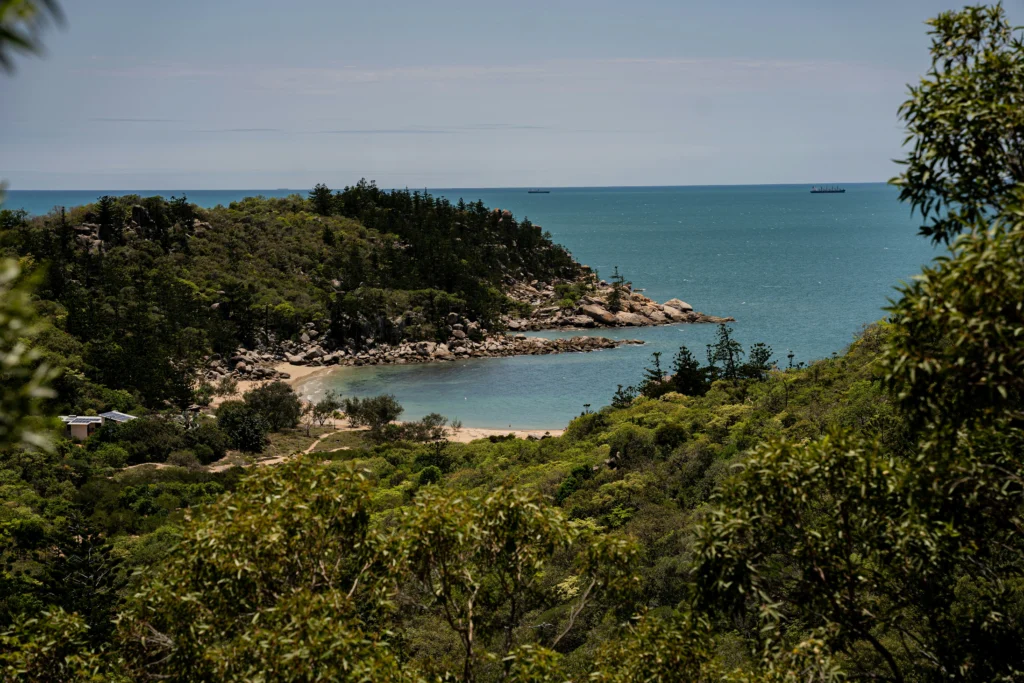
<point>579,301</point>
<point>583,303</point>
<point>261,365</point>
<point>595,304</point>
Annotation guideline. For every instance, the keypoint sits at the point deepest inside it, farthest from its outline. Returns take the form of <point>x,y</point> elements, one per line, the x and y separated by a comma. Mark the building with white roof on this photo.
<point>80,427</point>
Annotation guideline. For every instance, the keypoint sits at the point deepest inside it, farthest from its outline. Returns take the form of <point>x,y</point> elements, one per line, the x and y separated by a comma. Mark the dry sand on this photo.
<point>467,434</point>
<point>297,374</point>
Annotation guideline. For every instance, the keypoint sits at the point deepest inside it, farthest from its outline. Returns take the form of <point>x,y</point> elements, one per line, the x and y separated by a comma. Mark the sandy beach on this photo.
<point>467,434</point>
<point>298,374</point>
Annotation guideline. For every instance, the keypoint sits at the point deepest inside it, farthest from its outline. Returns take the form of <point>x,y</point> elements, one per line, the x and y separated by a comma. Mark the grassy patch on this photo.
<point>343,439</point>
<point>289,441</point>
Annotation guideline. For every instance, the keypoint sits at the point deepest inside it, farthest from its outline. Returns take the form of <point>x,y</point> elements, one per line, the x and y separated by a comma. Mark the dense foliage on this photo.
<point>966,123</point>
<point>629,486</point>
<point>140,290</point>
<point>857,518</point>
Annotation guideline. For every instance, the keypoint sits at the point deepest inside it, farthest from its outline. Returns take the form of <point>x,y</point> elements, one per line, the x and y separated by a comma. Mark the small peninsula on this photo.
<point>152,295</point>
<point>603,306</point>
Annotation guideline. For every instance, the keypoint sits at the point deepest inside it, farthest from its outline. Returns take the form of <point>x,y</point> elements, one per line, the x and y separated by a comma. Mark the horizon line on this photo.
<point>10,190</point>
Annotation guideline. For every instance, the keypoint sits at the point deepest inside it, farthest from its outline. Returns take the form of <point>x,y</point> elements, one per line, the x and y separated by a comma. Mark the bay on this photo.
<point>800,272</point>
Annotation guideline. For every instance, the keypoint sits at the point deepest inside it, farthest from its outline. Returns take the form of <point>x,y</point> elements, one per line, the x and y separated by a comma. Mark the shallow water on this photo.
<point>797,271</point>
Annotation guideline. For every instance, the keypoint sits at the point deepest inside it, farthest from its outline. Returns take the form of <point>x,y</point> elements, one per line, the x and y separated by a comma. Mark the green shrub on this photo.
<point>668,435</point>
<point>430,475</point>
<point>573,482</point>
<point>585,425</point>
<point>111,455</point>
<point>277,403</point>
<point>630,444</point>
<point>208,441</point>
<point>244,426</point>
<point>147,439</point>
<point>186,459</point>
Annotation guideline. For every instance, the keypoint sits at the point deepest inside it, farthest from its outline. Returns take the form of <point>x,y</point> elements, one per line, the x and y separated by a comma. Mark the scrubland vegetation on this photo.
<point>857,518</point>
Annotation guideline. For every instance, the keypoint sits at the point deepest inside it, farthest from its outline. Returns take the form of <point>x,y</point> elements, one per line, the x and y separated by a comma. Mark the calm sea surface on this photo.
<point>798,271</point>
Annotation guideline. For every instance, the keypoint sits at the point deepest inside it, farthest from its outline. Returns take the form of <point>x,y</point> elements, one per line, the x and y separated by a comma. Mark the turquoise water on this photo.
<point>798,271</point>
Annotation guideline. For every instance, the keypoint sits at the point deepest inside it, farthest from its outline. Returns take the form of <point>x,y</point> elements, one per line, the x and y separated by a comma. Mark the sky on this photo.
<point>254,94</point>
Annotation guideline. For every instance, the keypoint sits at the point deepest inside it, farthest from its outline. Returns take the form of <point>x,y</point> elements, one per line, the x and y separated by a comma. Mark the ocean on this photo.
<point>799,272</point>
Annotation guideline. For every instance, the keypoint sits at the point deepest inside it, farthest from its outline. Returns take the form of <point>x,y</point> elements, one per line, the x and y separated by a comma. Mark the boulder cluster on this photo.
<point>245,364</point>
<point>466,339</point>
<point>260,364</point>
<point>596,309</point>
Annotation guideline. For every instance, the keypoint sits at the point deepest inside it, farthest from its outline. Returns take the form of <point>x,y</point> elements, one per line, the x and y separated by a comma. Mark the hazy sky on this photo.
<point>205,94</point>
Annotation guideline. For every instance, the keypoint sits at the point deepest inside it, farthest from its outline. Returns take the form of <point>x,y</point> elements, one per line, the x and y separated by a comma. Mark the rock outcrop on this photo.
<point>596,308</point>
<point>556,305</point>
<point>259,365</point>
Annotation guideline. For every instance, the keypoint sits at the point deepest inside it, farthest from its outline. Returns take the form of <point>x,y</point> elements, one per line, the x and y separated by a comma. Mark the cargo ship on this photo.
<point>828,190</point>
<point>538,192</point>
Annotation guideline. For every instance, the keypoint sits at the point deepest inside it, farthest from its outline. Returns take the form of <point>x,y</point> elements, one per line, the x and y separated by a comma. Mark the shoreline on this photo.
<point>298,375</point>
<point>251,367</point>
<point>598,305</point>
<point>468,434</point>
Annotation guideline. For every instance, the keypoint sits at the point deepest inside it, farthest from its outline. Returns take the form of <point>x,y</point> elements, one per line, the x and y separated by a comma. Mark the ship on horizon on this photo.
<point>538,192</point>
<point>827,189</point>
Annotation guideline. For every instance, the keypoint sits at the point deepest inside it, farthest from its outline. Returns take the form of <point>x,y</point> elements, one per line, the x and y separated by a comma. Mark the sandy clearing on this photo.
<point>297,374</point>
<point>467,434</point>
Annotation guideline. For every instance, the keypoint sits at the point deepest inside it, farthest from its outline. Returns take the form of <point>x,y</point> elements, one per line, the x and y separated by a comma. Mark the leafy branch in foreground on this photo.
<point>21,22</point>
<point>24,379</point>
<point>966,122</point>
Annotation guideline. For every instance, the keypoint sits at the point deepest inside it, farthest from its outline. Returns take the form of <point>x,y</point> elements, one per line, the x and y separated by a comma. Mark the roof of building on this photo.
<point>117,416</point>
<point>81,419</point>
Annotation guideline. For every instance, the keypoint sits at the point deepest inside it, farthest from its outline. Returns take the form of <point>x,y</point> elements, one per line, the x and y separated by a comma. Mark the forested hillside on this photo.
<point>859,518</point>
<point>140,290</point>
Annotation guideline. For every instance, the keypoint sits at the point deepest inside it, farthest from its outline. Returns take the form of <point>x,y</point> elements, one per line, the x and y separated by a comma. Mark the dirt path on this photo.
<point>464,435</point>
<point>276,460</point>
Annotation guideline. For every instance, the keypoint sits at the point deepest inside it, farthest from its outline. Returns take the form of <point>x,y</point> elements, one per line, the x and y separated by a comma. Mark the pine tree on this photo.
<point>322,200</point>
<point>623,397</point>
<point>615,298</point>
<point>110,220</point>
<point>183,215</point>
<point>727,351</point>
<point>759,362</point>
<point>687,376</point>
<point>85,577</point>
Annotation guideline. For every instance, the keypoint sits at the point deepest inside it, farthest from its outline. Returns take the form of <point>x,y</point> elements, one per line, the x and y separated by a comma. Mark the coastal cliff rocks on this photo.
<point>679,305</point>
<point>260,365</point>
<point>631,319</point>
<point>561,304</point>
<point>597,314</point>
<point>552,306</point>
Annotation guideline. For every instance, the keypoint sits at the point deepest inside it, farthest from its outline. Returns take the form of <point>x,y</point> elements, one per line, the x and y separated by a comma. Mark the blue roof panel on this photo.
<point>117,416</point>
